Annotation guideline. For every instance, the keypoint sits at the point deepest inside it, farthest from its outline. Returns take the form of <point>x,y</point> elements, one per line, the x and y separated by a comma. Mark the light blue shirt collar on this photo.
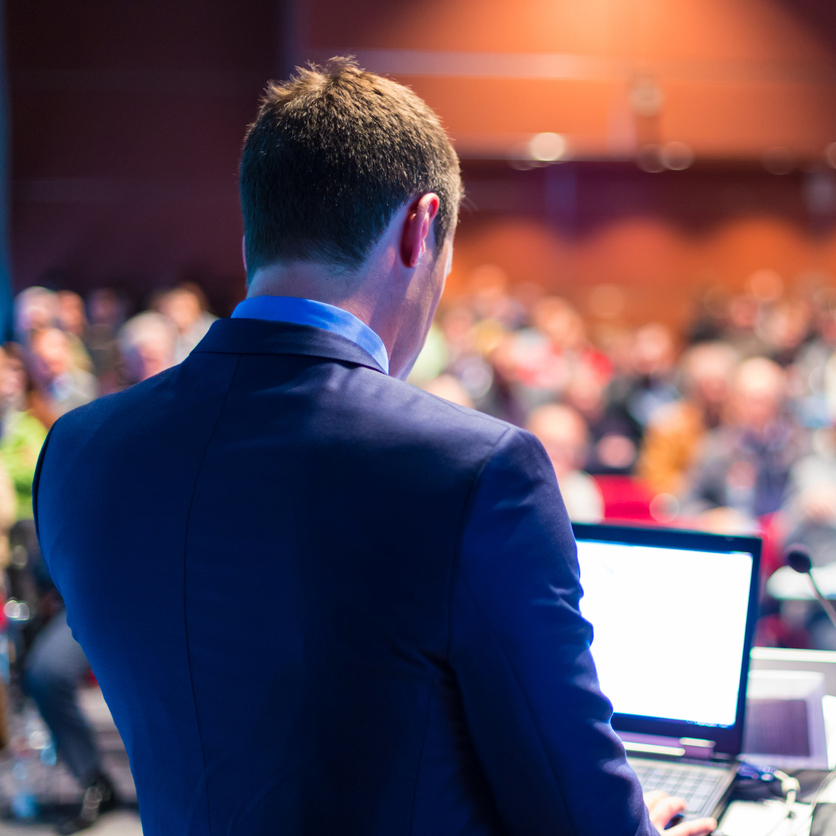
<point>317,315</point>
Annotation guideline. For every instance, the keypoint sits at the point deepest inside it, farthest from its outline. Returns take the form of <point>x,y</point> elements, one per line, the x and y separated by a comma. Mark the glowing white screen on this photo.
<point>669,628</point>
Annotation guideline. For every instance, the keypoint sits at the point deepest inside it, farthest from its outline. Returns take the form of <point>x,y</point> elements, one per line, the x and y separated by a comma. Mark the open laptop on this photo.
<point>674,614</point>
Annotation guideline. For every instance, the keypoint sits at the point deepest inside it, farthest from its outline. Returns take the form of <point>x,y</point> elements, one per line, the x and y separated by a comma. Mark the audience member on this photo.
<point>58,382</point>
<point>71,314</point>
<point>185,306</point>
<point>465,361</point>
<point>786,328</point>
<point>649,385</point>
<point>73,321</point>
<point>25,398</point>
<point>12,505</point>
<point>744,464</point>
<point>615,435</point>
<point>548,355</point>
<point>490,297</point>
<point>8,511</point>
<point>148,344</point>
<point>54,666</point>
<point>743,326</point>
<point>106,316</point>
<point>563,433</point>
<point>505,402</point>
<point>35,308</point>
<point>21,433</point>
<point>676,431</point>
<point>813,370</point>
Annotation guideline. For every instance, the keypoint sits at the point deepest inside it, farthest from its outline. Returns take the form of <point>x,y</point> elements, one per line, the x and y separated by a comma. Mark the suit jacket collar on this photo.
<point>259,336</point>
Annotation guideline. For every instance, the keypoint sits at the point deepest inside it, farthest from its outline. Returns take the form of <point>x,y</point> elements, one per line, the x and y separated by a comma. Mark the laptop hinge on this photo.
<point>677,747</point>
<point>696,748</point>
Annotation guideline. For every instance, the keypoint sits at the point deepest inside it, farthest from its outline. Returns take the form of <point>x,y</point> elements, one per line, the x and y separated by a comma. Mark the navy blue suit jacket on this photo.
<point>321,601</point>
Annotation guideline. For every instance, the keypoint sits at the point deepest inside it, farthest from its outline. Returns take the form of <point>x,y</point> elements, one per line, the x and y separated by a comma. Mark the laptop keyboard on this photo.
<point>698,785</point>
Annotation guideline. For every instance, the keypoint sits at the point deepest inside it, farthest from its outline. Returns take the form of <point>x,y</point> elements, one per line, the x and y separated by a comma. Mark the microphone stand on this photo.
<point>825,603</point>
<point>798,557</point>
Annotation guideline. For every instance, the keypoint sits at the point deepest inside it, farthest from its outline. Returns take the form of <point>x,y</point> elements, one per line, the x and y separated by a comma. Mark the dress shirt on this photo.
<point>317,315</point>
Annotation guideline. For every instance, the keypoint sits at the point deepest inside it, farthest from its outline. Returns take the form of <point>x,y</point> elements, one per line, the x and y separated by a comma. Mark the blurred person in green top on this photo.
<point>21,433</point>
<point>51,661</point>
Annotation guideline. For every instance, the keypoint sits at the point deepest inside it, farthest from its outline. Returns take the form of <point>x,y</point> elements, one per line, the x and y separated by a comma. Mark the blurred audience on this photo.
<point>615,434</point>
<point>106,315</point>
<point>744,464</point>
<point>186,307</point>
<point>67,353</point>
<point>21,433</point>
<point>726,423</point>
<point>59,383</point>
<point>448,387</point>
<point>649,383</point>
<point>548,354</point>
<point>565,438</point>
<point>148,344</point>
<point>674,435</point>
<point>36,308</point>
<point>73,321</point>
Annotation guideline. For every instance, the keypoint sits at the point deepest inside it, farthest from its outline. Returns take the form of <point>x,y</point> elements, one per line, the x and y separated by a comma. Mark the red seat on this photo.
<point>626,499</point>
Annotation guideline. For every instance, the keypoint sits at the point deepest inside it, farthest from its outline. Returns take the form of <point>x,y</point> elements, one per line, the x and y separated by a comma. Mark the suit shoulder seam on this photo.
<point>466,511</point>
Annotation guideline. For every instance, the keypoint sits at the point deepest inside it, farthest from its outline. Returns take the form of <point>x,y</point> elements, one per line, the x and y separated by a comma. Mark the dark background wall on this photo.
<point>127,120</point>
<point>748,85</point>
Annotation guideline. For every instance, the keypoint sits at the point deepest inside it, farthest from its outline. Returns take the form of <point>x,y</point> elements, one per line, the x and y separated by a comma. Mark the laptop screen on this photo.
<point>671,619</point>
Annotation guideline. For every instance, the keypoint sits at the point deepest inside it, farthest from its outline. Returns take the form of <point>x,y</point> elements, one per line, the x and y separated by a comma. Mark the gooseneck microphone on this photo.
<point>798,557</point>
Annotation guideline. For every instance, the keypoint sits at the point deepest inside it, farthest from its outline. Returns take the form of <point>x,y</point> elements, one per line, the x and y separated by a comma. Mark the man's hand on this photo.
<point>663,808</point>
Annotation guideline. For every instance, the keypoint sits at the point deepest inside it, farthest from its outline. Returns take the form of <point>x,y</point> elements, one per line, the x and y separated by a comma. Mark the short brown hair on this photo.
<point>334,153</point>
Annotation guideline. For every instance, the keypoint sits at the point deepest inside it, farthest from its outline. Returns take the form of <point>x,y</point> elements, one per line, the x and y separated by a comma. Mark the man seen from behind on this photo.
<point>320,600</point>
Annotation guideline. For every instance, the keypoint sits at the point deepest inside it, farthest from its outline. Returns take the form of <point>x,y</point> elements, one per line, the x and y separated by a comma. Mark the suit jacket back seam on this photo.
<point>185,557</point>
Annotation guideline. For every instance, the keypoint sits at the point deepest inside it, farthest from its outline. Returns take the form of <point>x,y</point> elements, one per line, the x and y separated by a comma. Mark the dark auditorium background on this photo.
<point>127,122</point>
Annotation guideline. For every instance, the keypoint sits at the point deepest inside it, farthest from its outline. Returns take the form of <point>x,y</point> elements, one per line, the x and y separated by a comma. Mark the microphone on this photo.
<point>798,557</point>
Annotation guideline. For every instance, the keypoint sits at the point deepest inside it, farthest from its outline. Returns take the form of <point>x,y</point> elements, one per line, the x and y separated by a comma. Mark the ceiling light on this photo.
<point>547,147</point>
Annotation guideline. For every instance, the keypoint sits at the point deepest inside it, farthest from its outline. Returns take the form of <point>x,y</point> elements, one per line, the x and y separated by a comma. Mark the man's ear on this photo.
<point>416,228</point>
